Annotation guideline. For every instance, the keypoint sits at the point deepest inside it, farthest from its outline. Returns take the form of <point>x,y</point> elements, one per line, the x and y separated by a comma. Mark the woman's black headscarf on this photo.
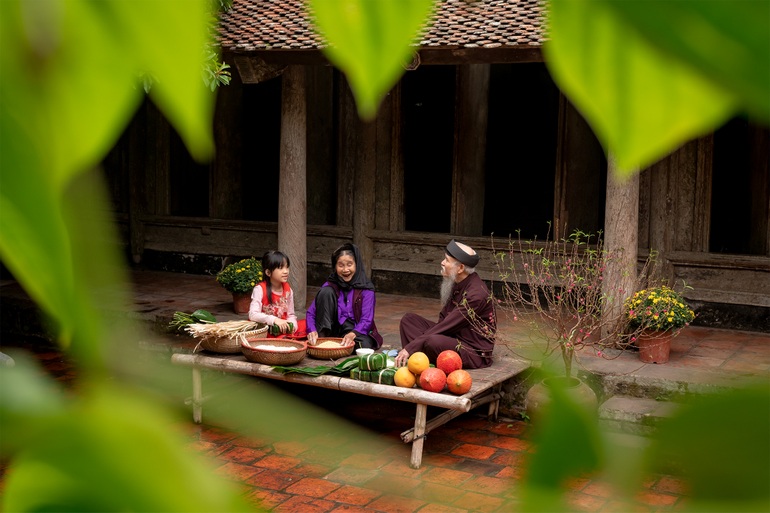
<point>360,280</point>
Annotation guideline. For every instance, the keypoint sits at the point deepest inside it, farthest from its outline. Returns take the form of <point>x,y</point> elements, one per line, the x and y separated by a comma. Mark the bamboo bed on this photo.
<point>486,389</point>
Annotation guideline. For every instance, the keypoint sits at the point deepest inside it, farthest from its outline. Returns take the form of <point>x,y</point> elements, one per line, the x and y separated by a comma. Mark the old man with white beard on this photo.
<point>463,296</point>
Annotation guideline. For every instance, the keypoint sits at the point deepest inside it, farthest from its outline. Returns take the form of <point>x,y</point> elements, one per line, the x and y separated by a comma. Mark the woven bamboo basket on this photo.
<point>230,344</point>
<point>330,353</point>
<point>254,353</point>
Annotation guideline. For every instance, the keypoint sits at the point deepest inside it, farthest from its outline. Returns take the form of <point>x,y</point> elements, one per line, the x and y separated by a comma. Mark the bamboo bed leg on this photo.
<point>419,435</point>
<point>197,398</point>
<point>495,405</point>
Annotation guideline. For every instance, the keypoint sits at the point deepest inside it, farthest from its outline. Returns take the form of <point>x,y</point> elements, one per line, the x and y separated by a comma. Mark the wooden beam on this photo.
<point>396,207</point>
<point>462,56</point>
<point>444,55</point>
<point>137,194</point>
<point>363,199</point>
<point>384,163</point>
<point>346,160</point>
<point>292,189</point>
<point>158,169</point>
<point>321,168</point>
<point>759,165</point>
<point>470,141</point>
<point>225,171</point>
<point>704,175</point>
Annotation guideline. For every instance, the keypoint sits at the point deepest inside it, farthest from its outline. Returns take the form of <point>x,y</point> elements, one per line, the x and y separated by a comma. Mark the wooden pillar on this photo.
<point>621,232</point>
<point>321,170</point>
<point>759,144</point>
<point>397,219</point>
<point>579,162</point>
<point>469,149</point>
<point>292,189</point>
<point>346,153</point>
<point>225,190</point>
<point>383,163</point>
<point>158,155</point>
<point>363,199</point>
<point>137,194</point>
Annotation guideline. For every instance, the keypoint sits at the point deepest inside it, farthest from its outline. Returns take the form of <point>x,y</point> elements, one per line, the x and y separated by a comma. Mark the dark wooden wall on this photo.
<point>357,189</point>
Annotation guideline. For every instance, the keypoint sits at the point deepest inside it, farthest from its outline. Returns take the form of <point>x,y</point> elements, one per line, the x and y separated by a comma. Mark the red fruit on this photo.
<point>449,361</point>
<point>433,379</point>
<point>459,382</point>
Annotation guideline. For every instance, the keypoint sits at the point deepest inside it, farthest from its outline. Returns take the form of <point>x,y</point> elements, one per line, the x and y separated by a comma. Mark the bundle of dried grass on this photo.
<point>222,329</point>
<point>224,337</point>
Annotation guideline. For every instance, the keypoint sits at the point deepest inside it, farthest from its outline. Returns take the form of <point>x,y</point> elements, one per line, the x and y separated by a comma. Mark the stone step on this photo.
<point>634,415</point>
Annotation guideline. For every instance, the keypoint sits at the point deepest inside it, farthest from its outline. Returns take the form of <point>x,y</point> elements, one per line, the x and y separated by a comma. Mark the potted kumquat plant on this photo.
<point>240,278</point>
<point>661,312</point>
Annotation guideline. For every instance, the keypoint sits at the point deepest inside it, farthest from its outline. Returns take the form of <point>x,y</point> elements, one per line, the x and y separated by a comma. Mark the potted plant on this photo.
<point>552,292</point>
<point>660,312</point>
<point>240,278</point>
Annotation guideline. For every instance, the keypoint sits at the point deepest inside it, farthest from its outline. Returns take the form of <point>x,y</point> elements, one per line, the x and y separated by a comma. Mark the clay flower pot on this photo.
<point>241,302</point>
<point>654,346</point>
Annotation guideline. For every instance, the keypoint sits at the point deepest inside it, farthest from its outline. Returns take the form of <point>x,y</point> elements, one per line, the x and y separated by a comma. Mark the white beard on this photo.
<point>447,284</point>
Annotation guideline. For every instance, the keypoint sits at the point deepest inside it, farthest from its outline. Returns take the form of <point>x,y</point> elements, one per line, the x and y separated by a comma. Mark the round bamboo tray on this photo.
<point>254,353</point>
<point>330,353</point>
<point>230,344</point>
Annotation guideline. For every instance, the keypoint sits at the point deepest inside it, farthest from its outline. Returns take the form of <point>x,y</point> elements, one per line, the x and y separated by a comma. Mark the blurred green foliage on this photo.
<point>650,75</point>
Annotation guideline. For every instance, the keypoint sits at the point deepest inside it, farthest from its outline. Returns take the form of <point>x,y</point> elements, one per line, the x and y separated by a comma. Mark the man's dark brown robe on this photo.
<point>469,298</point>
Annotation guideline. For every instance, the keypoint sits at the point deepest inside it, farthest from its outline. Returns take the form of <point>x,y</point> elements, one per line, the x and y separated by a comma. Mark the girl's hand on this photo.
<point>312,338</point>
<point>282,325</point>
<point>349,338</point>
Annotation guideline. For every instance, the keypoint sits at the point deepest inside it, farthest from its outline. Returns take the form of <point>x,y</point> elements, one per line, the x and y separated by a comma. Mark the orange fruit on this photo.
<point>433,379</point>
<point>459,382</point>
<point>404,378</point>
<point>449,361</point>
<point>417,362</point>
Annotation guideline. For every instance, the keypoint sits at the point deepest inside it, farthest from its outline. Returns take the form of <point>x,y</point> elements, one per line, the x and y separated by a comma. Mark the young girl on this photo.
<point>272,300</point>
<point>344,307</point>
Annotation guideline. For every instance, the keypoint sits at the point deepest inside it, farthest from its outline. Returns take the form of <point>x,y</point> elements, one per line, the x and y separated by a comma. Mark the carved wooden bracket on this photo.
<point>254,70</point>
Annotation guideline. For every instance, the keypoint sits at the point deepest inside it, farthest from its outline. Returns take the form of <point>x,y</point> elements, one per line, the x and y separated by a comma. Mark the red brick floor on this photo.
<point>470,464</point>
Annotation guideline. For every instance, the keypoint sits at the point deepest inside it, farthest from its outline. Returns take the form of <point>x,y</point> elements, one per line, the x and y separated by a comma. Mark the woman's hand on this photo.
<point>349,338</point>
<point>312,338</point>
<point>401,358</point>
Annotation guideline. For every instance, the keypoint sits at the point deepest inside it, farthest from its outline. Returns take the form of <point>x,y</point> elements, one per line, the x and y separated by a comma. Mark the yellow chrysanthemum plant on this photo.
<point>658,308</point>
<point>241,277</point>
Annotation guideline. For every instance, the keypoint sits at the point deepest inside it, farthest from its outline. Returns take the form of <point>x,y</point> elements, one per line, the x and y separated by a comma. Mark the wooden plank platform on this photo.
<point>486,389</point>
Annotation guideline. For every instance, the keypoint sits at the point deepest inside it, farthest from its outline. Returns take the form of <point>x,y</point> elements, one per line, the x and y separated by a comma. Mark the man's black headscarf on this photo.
<point>360,280</point>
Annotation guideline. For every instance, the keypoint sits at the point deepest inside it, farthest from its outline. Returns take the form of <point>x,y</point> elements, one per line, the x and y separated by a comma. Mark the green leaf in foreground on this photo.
<point>568,445</point>
<point>113,451</point>
<point>729,42</point>
<point>721,443</point>
<point>370,41</point>
<point>641,102</point>
<point>75,68</point>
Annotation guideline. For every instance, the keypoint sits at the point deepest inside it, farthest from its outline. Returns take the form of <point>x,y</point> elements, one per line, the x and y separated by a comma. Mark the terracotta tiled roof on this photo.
<point>284,25</point>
